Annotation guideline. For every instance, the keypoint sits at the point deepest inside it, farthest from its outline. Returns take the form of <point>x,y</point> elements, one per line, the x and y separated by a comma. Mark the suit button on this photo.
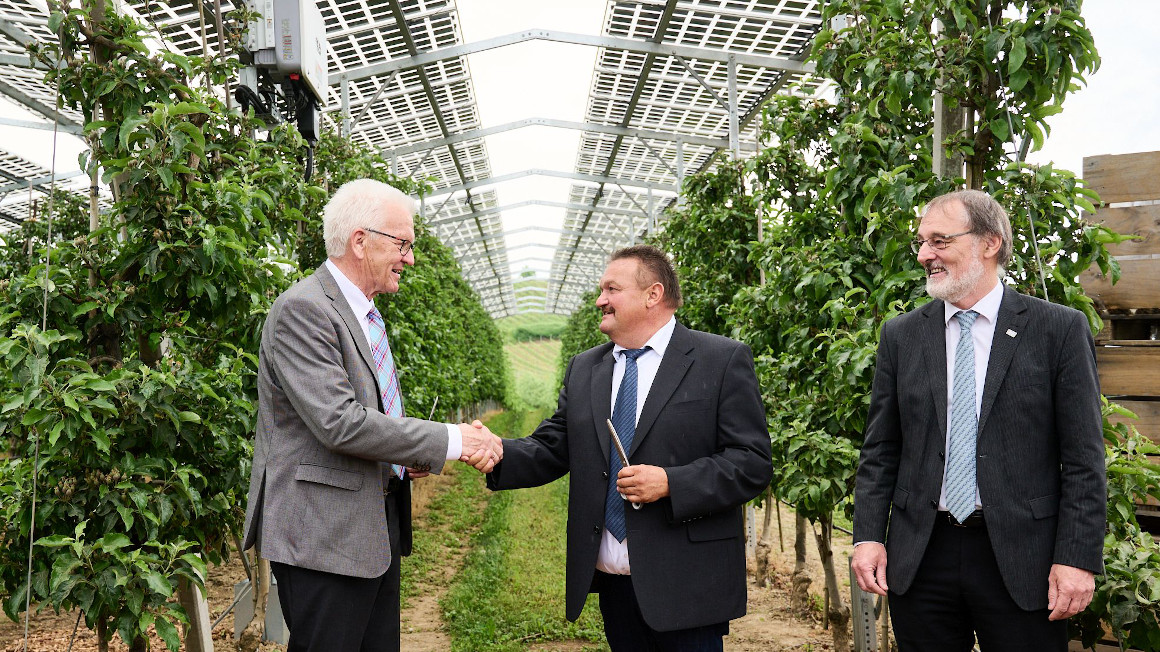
<point>934,504</point>
<point>605,474</point>
<point>942,456</point>
<point>596,529</point>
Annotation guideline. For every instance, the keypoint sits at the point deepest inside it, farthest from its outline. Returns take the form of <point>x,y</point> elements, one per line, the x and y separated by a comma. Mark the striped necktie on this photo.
<point>385,368</point>
<point>960,479</point>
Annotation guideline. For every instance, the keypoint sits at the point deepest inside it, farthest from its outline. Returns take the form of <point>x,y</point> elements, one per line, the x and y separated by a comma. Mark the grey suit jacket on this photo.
<point>704,423</point>
<point>316,490</point>
<point>1040,458</point>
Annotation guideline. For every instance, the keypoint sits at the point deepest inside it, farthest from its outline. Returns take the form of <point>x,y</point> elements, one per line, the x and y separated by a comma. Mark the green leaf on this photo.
<point>168,633</point>
<point>113,541</point>
<point>128,126</point>
<point>158,583</point>
<point>126,516</point>
<point>1018,54</point>
<point>191,417</point>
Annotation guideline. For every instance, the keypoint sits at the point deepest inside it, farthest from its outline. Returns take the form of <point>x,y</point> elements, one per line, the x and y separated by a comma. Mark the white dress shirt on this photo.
<point>982,333</point>
<point>613,555</point>
<point>361,305</point>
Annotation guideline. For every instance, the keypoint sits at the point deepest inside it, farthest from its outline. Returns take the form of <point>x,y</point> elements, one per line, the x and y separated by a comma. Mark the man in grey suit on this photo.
<point>982,470</point>
<point>687,407</point>
<point>332,518</point>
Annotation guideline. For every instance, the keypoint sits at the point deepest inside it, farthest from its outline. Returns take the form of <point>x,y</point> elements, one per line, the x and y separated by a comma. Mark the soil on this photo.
<point>768,627</point>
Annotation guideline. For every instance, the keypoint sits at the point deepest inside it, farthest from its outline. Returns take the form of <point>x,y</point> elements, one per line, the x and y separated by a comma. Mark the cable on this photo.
<point>1022,153</point>
<point>43,327</point>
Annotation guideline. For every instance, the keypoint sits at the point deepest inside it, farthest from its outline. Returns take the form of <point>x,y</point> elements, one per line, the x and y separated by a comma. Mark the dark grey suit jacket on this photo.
<point>704,423</point>
<point>1040,448</point>
<point>316,490</point>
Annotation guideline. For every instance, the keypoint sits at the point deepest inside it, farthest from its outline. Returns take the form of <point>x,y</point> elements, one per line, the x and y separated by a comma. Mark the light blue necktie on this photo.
<point>624,420</point>
<point>385,368</point>
<point>960,479</point>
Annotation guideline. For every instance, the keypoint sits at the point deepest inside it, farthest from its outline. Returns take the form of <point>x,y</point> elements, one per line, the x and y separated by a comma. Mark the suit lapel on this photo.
<point>1012,317</point>
<point>676,362</point>
<point>934,344</point>
<point>330,289</point>
<point>602,401</point>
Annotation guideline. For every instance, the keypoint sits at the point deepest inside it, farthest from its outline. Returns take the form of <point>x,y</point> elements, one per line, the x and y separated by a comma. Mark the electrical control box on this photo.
<point>290,39</point>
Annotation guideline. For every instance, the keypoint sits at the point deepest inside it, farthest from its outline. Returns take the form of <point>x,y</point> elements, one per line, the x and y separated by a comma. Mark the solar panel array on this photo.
<point>422,111</point>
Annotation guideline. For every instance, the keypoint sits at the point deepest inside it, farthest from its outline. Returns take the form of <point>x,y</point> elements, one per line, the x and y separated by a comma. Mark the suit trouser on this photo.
<point>626,630</point>
<point>326,612</point>
<point>958,593</point>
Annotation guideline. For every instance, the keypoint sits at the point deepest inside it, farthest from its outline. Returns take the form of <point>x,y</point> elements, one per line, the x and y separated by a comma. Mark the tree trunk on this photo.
<point>140,644</point>
<point>102,635</point>
<point>252,635</point>
<point>837,612</point>
<point>884,627</point>
<point>765,544</point>
<point>799,595</point>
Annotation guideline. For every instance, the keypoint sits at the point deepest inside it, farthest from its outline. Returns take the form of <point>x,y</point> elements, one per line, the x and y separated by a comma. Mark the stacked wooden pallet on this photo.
<point>1128,353</point>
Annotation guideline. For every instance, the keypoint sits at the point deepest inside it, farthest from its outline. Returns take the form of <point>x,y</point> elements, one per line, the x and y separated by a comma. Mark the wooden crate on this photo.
<point>1138,287</point>
<point>1148,413</point>
<point>1132,369</point>
<point>1140,221</point>
<point>1124,177</point>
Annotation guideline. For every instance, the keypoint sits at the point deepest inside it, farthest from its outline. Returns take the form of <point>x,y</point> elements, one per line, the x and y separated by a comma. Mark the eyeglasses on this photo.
<point>405,246</point>
<point>939,242</point>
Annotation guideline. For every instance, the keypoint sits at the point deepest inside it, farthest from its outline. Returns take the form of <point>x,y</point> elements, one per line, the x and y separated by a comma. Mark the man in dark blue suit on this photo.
<point>671,574</point>
<point>982,474</point>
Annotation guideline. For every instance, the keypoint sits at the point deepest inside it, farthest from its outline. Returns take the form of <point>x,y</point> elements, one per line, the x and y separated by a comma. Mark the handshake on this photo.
<point>481,448</point>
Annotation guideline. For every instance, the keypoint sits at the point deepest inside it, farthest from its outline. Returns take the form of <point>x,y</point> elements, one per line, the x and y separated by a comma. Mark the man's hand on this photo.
<point>643,483</point>
<point>415,474</point>
<point>481,449</point>
<point>1069,590</point>
<point>869,566</point>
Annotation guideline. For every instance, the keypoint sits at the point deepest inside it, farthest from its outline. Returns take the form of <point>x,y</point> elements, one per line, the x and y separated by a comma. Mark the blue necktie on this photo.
<point>624,420</point>
<point>960,478</point>
<point>385,368</point>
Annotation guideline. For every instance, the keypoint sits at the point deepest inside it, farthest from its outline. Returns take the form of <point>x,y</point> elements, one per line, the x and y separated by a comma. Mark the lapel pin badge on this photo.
<point>1011,333</point>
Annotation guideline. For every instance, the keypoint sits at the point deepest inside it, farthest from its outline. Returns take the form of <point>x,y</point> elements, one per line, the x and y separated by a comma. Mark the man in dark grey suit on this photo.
<point>982,469</point>
<point>687,406</point>
<point>331,518</point>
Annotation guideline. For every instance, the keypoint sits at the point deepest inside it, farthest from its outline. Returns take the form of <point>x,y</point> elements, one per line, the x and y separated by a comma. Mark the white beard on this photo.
<point>952,288</point>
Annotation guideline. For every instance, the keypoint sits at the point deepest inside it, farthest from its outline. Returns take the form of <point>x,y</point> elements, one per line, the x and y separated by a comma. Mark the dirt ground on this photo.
<point>768,627</point>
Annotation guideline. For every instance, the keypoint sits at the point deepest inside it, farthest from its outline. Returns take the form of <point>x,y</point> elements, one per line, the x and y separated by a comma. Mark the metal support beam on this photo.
<point>652,150</point>
<point>701,80</point>
<point>575,176</point>
<point>36,105</point>
<point>529,202</point>
<point>367,106</point>
<point>595,127</point>
<point>39,181</point>
<point>615,43</point>
<point>594,237</point>
<point>45,126</point>
<point>734,130</point>
<point>344,95</point>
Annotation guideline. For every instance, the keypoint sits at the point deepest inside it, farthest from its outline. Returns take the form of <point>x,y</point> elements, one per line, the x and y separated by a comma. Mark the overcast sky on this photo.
<point>1115,113</point>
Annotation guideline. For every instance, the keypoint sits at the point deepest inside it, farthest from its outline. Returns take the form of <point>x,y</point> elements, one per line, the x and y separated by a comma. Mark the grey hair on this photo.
<point>358,204</point>
<point>985,216</point>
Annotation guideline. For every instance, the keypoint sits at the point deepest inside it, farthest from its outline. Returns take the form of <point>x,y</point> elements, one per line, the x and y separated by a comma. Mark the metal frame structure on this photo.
<point>677,84</point>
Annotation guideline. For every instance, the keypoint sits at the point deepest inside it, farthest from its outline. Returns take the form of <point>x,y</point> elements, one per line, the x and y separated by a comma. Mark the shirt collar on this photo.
<point>987,307</point>
<point>658,342</point>
<point>359,303</point>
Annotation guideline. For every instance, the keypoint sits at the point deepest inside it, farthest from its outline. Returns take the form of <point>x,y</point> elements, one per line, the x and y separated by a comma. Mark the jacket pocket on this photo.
<point>1044,506</point>
<point>695,405</point>
<point>724,525</point>
<point>900,498</point>
<point>349,480</point>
